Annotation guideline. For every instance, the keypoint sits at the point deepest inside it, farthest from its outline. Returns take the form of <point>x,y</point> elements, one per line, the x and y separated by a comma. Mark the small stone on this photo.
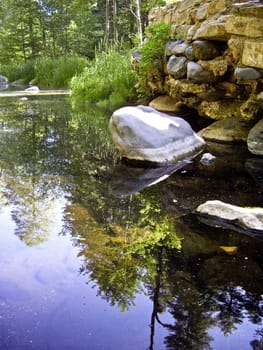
<point>207,159</point>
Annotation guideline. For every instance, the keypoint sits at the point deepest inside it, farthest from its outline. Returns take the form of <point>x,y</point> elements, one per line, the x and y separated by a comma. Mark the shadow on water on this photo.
<point>95,240</point>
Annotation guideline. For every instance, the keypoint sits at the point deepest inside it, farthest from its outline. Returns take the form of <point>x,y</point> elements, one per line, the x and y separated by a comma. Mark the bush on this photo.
<point>57,73</point>
<point>46,71</point>
<point>108,81</point>
<point>25,71</point>
<point>152,56</point>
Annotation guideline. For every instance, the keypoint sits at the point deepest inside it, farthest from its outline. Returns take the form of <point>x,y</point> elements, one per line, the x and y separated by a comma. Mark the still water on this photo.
<point>92,259</point>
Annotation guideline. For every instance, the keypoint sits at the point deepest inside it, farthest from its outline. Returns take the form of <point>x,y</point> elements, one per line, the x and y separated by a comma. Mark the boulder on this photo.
<point>255,139</point>
<point>217,213</point>
<point>143,133</point>
<point>231,129</point>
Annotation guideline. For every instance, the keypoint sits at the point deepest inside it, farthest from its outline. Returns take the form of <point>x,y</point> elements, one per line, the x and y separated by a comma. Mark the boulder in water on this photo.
<point>143,133</point>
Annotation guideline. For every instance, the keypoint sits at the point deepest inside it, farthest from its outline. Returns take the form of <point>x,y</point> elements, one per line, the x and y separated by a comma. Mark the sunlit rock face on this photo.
<point>143,133</point>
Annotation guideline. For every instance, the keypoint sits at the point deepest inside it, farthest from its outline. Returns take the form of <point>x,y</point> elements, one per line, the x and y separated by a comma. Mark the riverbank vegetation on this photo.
<point>107,81</point>
<point>49,42</point>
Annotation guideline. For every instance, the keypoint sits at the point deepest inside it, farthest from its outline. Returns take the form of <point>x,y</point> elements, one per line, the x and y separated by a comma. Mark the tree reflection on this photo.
<point>126,245</point>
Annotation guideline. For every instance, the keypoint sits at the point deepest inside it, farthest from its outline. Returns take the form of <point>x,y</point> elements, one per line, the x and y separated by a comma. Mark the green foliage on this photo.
<point>152,55</point>
<point>160,233</point>
<point>58,72</point>
<point>108,81</point>
<point>45,71</point>
<point>25,71</point>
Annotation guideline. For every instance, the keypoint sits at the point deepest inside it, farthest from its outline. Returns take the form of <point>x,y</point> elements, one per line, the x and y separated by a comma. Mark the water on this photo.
<point>88,263</point>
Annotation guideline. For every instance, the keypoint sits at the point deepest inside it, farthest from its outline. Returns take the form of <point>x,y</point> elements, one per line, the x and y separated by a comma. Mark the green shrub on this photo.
<point>152,55</point>
<point>25,71</point>
<point>108,81</point>
<point>57,73</point>
<point>46,71</point>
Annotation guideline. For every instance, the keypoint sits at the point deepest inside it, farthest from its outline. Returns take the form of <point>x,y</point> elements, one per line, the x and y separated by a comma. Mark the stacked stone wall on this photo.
<point>215,62</point>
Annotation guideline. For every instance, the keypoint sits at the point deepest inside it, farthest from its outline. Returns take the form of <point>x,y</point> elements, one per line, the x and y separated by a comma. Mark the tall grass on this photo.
<point>24,71</point>
<point>57,73</point>
<point>108,81</point>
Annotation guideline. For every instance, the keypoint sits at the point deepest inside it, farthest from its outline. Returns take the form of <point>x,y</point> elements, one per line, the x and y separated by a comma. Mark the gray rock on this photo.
<point>255,139</point>
<point>143,133</point>
<point>247,73</point>
<point>197,74</point>
<point>177,67</point>
<point>33,89</point>
<point>3,82</point>
<point>175,47</point>
<point>232,216</point>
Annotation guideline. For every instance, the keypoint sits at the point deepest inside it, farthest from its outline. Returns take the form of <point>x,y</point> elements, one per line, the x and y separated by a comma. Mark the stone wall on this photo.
<point>215,64</point>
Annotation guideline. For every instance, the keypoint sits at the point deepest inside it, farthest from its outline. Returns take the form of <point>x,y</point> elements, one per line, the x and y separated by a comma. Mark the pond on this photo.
<point>91,258</point>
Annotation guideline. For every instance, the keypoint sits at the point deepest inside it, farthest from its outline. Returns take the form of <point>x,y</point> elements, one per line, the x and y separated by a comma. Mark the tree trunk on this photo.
<point>107,24</point>
<point>139,21</point>
<point>115,24</point>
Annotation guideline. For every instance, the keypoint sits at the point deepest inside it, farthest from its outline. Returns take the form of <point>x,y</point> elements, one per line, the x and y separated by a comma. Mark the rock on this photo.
<point>165,103</point>
<point>175,47</point>
<point>177,67</point>
<point>247,73</point>
<point>244,24</point>
<point>212,29</point>
<point>3,82</point>
<point>196,73</point>
<point>255,139</point>
<point>226,130</point>
<point>220,109</point>
<point>33,89</point>
<point>254,167</point>
<point>205,50</point>
<point>239,218</point>
<point>217,66</point>
<point>143,133</point>
<point>252,53</point>
<point>207,159</point>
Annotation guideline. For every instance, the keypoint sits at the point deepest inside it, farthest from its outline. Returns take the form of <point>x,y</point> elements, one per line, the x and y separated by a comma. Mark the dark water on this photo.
<point>86,264</point>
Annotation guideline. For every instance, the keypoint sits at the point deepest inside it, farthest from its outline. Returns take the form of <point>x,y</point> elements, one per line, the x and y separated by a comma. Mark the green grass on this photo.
<point>107,82</point>
<point>45,71</point>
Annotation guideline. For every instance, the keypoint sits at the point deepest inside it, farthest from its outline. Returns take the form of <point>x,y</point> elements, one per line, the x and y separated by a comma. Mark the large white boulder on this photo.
<point>143,133</point>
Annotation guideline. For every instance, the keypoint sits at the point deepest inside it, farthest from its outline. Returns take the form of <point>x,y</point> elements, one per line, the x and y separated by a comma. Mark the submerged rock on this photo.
<point>33,89</point>
<point>217,213</point>
<point>143,133</point>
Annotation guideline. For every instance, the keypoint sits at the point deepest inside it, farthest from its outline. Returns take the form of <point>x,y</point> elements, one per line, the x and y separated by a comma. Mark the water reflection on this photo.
<point>143,252</point>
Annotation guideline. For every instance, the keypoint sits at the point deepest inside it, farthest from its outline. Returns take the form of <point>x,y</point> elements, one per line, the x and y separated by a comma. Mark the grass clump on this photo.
<point>108,81</point>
